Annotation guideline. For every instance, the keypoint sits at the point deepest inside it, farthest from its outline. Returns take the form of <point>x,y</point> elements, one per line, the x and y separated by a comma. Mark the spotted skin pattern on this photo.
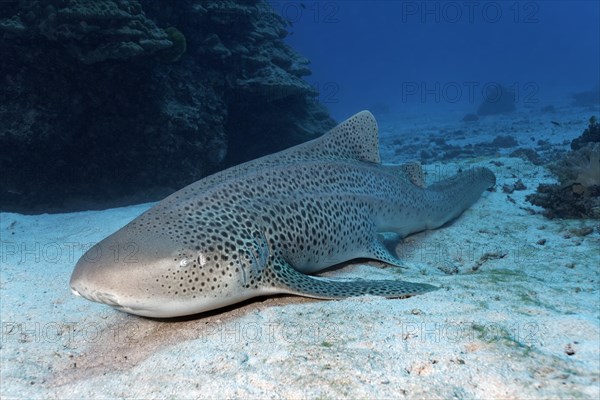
<point>262,227</point>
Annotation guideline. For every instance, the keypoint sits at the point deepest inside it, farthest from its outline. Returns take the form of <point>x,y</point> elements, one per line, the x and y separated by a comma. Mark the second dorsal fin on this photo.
<point>411,171</point>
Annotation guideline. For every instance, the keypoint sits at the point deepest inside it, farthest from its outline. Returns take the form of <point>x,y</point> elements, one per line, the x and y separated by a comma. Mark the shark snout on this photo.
<point>124,271</point>
<point>93,278</point>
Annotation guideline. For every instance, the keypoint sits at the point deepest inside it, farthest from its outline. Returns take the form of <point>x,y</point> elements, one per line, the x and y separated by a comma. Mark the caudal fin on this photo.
<point>448,198</point>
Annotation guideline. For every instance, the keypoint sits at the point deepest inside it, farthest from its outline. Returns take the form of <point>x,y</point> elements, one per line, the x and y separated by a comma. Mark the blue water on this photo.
<point>405,55</point>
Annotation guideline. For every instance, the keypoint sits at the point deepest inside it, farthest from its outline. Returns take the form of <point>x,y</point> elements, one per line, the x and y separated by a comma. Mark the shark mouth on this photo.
<point>99,297</point>
<point>111,300</point>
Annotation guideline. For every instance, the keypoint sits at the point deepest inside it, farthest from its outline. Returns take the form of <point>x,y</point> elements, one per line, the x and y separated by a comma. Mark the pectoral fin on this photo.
<point>287,280</point>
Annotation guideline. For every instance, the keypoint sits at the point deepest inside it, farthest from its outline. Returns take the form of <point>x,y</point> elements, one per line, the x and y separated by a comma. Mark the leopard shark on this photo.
<point>267,226</point>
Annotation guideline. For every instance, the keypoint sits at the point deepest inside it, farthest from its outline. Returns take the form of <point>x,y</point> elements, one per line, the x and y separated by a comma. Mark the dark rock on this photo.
<point>549,109</point>
<point>587,98</point>
<point>498,100</point>
<point>425,155</point>
<point>577,195</point>
<point>110,102</point>
<point>504,142</point>
<point>506,188</point>
<point>454,152</point>
<point>509,188</point>
<point>527,154</point>
<point>543,146</point>
<point>590,135</point>
<point>470,118</point>
<point>519,185</point>
<point>566,202</point>
<point>583,231</point>
<point>581,166</point>
<point>459,134</point>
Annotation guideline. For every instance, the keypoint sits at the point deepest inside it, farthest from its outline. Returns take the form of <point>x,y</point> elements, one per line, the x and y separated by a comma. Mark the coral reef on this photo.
<point>90,31</point>
<point>580,167</point>
<point>120,101</point>
<point>590,135</point>
<point>566,202</point>
<point>577,195</point>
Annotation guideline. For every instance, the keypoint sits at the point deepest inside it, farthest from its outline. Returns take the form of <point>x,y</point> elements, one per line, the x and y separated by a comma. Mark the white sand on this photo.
<point>501,331</point>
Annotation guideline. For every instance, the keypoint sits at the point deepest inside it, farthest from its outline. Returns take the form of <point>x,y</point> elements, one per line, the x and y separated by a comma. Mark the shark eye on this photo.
<point>183,262</point>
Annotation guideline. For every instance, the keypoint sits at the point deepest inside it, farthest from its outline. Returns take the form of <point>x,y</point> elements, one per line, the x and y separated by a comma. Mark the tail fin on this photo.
<point>451,196</point>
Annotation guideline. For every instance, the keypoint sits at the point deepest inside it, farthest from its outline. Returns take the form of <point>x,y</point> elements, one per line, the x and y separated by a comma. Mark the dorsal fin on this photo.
<point>354,139</point>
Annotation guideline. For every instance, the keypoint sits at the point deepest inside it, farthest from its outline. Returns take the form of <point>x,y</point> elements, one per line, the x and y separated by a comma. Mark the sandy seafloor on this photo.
<point>518,292</point>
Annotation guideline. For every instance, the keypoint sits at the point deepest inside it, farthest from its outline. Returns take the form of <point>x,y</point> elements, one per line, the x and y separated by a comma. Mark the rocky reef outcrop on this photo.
<point>577,195</point>
<point>108,102</point>
<point>587,98</point>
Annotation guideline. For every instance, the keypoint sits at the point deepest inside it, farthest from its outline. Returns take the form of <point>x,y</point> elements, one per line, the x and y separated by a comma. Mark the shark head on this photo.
<point>158,267</point>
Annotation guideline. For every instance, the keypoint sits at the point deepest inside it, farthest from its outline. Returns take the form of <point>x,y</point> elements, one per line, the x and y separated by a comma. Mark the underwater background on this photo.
<point>404,56</point>
<point>109,106</point>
